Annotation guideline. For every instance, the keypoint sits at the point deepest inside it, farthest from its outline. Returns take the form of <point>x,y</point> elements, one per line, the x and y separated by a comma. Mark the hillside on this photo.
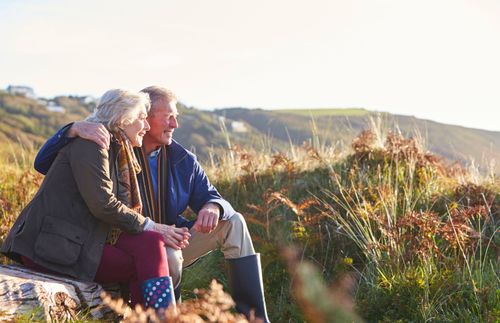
<point>338,127</point>
<point>29,122</point>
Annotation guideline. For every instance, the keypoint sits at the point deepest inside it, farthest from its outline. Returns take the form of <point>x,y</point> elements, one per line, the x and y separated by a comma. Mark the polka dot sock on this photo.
<point>158,292</point>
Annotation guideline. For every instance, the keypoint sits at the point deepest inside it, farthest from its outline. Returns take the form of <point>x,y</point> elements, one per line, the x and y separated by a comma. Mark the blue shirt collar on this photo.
<point>154,153</point>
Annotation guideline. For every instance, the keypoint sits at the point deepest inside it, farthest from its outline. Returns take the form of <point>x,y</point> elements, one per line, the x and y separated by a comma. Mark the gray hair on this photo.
<point>118,108</point>
<point>158,93</point>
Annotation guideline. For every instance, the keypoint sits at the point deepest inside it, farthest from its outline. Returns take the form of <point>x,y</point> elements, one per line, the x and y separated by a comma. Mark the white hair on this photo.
<point>118,108</point>
<point>158,94</point>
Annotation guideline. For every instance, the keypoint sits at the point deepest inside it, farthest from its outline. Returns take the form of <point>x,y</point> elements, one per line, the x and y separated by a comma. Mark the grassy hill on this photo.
<point>337,127</point>
<point>28,122</point>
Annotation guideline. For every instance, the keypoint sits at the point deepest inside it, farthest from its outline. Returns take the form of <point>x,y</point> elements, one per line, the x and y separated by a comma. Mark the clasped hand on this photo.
<point>175,238</point>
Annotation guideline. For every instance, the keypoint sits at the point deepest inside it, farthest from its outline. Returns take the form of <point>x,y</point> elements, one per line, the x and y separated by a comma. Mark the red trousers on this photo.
<point>133,259</point>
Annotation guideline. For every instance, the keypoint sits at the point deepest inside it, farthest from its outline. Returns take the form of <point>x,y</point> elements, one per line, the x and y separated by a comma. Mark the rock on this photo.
<point>50,297</point>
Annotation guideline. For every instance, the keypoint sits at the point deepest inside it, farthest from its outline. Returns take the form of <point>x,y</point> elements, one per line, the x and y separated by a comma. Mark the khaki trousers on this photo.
<point>230,236</point>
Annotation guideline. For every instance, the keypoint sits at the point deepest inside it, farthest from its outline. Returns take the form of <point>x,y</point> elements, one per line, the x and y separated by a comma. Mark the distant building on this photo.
<point>53,107</point>
<point>21,90</point>
<point>238,126</point>
<point>42,101</point>
<point>234,126</point>
<point>88,100</point>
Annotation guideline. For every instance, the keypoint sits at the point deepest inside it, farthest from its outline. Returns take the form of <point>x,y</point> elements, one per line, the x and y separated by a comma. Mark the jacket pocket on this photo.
<point>59,241</point>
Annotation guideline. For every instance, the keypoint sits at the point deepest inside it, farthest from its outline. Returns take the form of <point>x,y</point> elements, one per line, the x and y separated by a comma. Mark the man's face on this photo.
<point>163,121</point>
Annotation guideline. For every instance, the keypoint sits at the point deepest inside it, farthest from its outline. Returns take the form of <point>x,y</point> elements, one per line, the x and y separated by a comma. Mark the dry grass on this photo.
<point>212,305</point>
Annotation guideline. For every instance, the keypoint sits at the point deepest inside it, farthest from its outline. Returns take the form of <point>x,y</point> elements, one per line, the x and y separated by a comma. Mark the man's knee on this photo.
<point>237,242</point>
<point>175,261</point>
<point>237,222</point>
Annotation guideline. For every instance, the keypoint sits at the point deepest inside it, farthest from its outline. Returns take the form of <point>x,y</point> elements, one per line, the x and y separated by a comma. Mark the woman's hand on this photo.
<point>175,238</point>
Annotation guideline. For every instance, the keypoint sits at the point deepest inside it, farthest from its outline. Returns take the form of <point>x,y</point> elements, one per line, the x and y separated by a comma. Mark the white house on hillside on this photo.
<point>235,126</point>
<point>238,126</point>
<point>21,90</point>
<point>53,107</point>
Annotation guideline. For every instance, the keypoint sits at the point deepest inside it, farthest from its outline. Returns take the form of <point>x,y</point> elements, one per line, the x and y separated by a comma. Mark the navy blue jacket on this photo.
<point>188,185</point>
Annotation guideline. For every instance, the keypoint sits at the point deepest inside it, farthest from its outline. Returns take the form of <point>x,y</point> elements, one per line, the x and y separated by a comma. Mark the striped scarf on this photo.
<point>128,169</point>
<point>154,207</point>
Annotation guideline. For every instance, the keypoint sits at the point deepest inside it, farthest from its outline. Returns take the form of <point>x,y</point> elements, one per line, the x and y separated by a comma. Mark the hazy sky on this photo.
<point>435,59</point>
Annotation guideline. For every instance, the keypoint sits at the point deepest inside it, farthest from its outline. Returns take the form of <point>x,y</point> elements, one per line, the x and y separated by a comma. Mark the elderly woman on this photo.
<point>85,220</point>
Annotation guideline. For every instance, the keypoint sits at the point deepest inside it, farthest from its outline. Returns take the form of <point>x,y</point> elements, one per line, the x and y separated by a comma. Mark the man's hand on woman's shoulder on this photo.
<point>92,131</point>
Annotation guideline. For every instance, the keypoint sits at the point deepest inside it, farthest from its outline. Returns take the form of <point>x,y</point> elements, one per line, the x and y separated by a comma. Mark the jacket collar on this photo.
<point>176,152</point>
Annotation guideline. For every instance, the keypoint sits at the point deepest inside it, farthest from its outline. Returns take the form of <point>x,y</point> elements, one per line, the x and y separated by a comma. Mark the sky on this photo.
<point>433,59</point>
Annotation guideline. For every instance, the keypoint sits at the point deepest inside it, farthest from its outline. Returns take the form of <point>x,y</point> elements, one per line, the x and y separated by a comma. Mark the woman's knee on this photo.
<point>150,256</point>
<point>145,245</point>
<point>151,239</point>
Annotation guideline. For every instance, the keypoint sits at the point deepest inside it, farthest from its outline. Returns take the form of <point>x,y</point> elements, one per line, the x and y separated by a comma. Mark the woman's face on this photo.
<point>137,129</point>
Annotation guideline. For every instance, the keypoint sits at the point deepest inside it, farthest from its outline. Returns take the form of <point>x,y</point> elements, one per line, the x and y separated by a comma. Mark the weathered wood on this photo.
<point>58,298</point>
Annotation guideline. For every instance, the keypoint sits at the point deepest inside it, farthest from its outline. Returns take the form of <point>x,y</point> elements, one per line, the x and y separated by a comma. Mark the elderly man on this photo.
<point>171,180</point>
